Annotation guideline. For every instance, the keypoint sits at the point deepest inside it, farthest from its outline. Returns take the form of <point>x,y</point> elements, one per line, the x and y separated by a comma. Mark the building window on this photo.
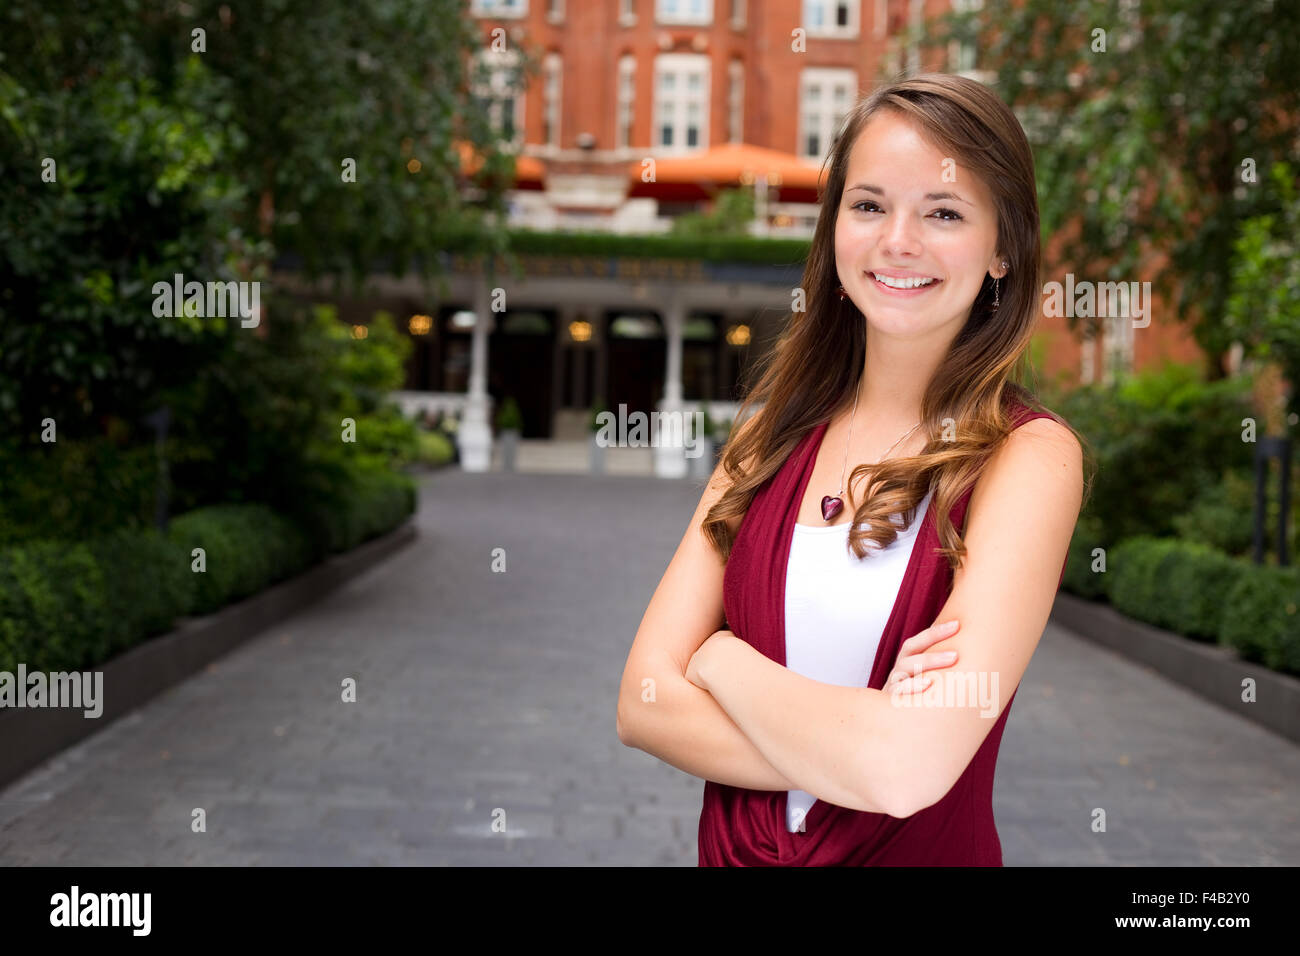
<point>737,14</point>
<point>1117,347</point>
<point>555,11</point>
<point>626,98</point>
<point>825,98</point>
<point>961,52</point>
<point>627,13</point>
<point>916,14</point>
<point>551,95</point>
<point>697,12</point>
<point>831,18</point>
<point>736,102</point>
<point>681,105</point>
<point>498,8</point>
<point>498,92</point>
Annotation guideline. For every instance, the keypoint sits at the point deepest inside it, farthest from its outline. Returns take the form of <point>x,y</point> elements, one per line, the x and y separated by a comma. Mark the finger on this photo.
<point>913,685</point>
<point>931,635</point>
<point>923,662</point>
<point>936,659</point>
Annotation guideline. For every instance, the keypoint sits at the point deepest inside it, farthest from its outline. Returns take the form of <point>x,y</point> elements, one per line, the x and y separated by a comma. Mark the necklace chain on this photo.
<point>849,441</point>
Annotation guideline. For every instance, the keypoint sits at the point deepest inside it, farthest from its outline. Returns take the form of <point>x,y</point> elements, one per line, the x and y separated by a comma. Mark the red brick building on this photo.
<point>642,110</point>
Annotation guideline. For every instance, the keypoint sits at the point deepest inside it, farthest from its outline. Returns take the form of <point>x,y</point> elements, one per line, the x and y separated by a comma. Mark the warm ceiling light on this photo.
<point>420,324</point>
<point>360,331</point>
<point>738,335</point>
<point>580,331</point>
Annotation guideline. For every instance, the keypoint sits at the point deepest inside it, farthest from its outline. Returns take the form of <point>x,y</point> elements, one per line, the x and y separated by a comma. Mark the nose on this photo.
<point>901,236</point>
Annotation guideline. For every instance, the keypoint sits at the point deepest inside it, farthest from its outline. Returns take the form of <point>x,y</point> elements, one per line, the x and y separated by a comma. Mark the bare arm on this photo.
<point>659,710</point>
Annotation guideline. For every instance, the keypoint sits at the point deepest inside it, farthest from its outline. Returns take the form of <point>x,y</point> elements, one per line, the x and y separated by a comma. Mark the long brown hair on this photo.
<point>817,363</point>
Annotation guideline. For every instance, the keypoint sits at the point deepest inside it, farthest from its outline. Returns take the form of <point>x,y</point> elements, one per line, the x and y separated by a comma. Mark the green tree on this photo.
<point>1148,122</point>
<point>731,215</point>
<point>1263,310</point>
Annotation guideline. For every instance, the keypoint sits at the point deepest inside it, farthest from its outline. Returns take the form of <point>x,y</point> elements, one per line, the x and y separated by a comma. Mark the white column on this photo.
<point>670,459</point>
<point>474,437</point>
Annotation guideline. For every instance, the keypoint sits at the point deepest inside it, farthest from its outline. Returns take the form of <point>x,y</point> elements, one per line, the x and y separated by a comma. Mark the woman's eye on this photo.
<point>955,216</point>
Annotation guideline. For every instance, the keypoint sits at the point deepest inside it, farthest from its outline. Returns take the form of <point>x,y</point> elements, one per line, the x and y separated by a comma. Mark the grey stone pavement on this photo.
<point>479,691</point>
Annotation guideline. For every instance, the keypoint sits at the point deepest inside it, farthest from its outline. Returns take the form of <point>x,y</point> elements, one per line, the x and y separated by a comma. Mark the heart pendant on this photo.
<point>831,507</point>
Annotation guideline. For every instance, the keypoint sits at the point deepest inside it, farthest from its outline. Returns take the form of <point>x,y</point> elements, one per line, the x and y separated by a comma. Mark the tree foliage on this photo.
<point>1152,126</point>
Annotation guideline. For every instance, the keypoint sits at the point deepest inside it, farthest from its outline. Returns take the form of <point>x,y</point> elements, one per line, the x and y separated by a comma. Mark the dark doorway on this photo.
<point>520,349</point>
<point>637,353</point>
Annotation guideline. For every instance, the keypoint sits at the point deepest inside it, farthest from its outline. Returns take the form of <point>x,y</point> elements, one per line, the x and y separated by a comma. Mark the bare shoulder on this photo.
<point>1038,467</point>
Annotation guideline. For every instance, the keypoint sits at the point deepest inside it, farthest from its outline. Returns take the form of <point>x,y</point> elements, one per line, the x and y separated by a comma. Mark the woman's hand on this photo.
<point>694,665</point>
<point>907,677</point>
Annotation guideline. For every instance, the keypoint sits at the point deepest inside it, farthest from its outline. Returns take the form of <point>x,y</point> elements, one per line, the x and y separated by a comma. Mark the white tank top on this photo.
<point>836,609</point>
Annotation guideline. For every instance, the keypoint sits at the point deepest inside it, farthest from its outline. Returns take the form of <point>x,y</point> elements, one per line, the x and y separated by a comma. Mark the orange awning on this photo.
<point>528,169</point>
<point>733,164</point>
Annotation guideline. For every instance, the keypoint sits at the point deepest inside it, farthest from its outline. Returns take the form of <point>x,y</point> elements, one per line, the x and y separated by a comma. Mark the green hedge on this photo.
<point>373,502</point>
<point>245,549</point>
<point>53,606</point>
<point>1194,590</point>
<point>1080,578</point>
<point>73,605</point>
<point>1261,620</point>
<point>1178,585</point>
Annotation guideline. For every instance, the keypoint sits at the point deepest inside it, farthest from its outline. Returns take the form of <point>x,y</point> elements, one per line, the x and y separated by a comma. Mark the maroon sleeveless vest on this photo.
<point>742,827</point>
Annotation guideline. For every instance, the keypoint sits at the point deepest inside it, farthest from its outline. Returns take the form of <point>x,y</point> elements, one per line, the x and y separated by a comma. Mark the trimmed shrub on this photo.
<point>434,448</point>
<point>1177,585</point>
<point>369,503</point>
<point>1198,579</point>
<point>1133,581</point>
<point>148,585</point>
<point>1261,618</point>
<point>245,549</point>
<point>73,605</point>
<point>1080,578</point>
<point>52,606</point>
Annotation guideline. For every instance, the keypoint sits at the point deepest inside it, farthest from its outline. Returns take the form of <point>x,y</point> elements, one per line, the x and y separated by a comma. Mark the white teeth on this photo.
<point>901,283</point>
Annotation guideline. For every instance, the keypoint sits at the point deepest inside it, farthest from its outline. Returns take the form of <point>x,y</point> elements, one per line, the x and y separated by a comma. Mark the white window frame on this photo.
<point>735,102</point>
<point>681,66</point>
<point>916,18</point>
<point>1117,347</point>
<point>962,54</point>
<point>499,9</point>
<point>627,13</point>
<point>503,65</point>
<point>738,14</point>
<point>824,25</point>
<point>821,116</point>
<point>679,12</point>
<point>626,96</point>
<point>552,98</point>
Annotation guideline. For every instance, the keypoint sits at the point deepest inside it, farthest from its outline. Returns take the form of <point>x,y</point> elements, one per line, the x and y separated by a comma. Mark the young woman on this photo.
<point>893,480</point>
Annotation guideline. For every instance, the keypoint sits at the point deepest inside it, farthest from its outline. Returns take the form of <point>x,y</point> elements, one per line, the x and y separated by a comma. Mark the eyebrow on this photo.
<point>867,187</point>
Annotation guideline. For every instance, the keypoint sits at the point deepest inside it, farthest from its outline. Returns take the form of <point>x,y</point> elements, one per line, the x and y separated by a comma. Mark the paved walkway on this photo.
<point>481,690</point>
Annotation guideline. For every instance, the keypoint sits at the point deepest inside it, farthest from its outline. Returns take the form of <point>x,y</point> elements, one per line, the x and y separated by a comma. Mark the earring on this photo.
<point>997,288</point>
<point>843,295</point>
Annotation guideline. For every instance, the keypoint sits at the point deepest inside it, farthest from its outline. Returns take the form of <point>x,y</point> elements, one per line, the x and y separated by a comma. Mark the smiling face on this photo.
<point>898,217</point>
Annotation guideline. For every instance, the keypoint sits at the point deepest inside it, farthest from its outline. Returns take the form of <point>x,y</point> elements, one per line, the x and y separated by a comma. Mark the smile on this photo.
<point>902,286</point>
